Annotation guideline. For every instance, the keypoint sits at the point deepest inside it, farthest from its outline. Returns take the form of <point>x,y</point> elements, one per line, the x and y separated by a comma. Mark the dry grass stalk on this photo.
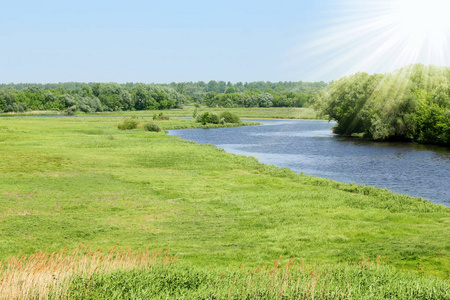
<point>42,274</point>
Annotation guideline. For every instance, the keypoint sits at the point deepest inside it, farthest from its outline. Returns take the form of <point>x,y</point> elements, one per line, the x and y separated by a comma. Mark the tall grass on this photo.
<point>43,274</point>
<point>125,274</point>
<point>274,281</point>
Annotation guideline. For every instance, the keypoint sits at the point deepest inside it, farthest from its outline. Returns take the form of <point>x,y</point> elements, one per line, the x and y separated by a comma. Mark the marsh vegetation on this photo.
<point>73,180</point>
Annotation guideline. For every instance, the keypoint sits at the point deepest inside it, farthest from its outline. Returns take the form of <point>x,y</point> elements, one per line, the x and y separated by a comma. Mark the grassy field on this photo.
<point>75,180</point>
<point>188,111</point>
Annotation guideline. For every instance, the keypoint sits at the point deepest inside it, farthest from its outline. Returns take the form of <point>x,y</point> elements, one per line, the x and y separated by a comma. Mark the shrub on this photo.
<point>229,117</point>
<point>161,117</point>
<point>85,108</point>
<point>128,124</point>
<point>69,112</point>
<point>203,118</point>
<point>152,127</point>
<point>214,119</point>
<point>208,117</point>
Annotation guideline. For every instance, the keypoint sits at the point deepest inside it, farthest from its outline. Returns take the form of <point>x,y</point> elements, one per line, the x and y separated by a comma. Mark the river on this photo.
<point>311,147</point>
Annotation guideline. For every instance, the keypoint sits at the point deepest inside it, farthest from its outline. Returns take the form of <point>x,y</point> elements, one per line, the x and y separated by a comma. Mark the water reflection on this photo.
<point>310,147</point>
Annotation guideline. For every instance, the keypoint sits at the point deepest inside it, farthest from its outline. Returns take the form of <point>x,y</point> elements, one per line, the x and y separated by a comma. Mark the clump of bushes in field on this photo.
<point>133,123</point>
<point>160,117</point>
<point>152,127</point>
<point>225,117</point>
<point>228,117</point>
<point>71,111</point>
<point>208,117</point>
<point>128,124</point>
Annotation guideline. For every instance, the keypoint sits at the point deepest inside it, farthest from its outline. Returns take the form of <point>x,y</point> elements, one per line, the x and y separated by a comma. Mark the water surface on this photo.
<point>311,147</point>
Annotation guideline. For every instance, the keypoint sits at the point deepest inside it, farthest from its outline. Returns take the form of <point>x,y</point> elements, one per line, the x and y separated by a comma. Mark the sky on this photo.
<point>175,41</point>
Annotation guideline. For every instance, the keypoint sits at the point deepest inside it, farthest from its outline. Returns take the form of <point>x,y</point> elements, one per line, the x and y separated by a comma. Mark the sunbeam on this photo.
<point>377,36</point>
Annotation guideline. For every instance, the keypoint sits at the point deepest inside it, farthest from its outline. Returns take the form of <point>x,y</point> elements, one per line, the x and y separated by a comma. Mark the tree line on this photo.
<point>412,104</point>
<point>95,97</point>
<point>89,98</point>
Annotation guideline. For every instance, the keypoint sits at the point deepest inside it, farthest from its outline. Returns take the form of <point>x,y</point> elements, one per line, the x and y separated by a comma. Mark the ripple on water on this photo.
<point>310,147</point>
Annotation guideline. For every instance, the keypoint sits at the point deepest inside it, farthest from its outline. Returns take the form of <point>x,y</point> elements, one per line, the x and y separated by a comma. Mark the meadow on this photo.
<point>188,111</point>
<point>80,180</point>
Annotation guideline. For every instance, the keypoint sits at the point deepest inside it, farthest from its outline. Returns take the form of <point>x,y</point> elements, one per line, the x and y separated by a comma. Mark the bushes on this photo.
<point>160,117</point>
<point>229,117</point>
<point>132,123</point>
<point>208,117</point>
<point>225,117</point>
<point>152,127</point>
<point>128,124</point>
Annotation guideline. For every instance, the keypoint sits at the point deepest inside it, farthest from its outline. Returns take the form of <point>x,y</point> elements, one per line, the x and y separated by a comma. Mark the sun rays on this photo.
<point>378,37</point>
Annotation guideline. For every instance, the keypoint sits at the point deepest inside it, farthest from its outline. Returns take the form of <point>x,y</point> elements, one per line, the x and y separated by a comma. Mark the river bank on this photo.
<point>310,147</point>
<point>67,181</point>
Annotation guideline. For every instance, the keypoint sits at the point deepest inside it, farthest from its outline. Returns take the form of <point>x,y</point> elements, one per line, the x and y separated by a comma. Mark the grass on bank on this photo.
<point>72,180</point>
<point>188,111</point>
<point>125,274</point>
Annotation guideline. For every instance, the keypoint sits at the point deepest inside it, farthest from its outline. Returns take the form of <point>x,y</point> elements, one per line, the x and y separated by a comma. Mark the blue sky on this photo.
<point>164,41</point>
<point>154,41</point>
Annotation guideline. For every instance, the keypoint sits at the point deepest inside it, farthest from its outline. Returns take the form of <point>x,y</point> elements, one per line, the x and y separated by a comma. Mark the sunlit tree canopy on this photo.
<point>411,103</point>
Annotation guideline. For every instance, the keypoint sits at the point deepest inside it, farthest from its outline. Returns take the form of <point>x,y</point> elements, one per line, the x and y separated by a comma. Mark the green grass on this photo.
<point>266,282</point>
<point>72,180</point>
<point>254,112</point>
<point>272,112</point>
<point>84,273</point>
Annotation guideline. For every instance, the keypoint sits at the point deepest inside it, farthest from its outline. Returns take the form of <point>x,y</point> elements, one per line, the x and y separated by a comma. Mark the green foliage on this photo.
<point>98,97</point>
<point>264,282</point>
<point>229,117</point>
<point>412,104</point>
<point>128,124</point>
<point>265,100</point>
<point>195,113</point>
<point>211,99</point>
<point>161,116</point>
<point>208,117</point>
<point>152,127</point>
<point>71,111</point>
<point>89,98</point>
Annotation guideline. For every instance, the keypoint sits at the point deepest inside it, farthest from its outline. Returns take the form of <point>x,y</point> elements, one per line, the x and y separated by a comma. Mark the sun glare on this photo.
<point>378,36</point>
<point>422,20</point>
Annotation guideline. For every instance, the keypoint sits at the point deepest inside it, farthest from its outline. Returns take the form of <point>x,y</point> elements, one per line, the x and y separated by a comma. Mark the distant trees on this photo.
<point>95,97</point>
<point>221,94</point>
<point>255,98</point>
<point>409,104</point>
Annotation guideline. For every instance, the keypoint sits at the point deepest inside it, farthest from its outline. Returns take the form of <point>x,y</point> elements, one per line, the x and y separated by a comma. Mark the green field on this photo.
<point>79,180</point>
<point>257,112</point>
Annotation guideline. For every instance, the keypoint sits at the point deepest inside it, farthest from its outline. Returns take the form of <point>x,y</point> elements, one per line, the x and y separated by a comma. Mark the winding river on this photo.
<point>311,147</point>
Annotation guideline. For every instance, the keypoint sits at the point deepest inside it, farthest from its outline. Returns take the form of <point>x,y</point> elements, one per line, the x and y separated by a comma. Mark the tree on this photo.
<point>265,100</point>
<point>212,86</point>
<point>211,99</point>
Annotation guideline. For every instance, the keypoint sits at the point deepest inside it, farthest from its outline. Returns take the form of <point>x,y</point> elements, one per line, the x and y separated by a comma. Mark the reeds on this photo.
<point>43,275</point>
<point>126,274</point>
<point>369,279</point>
